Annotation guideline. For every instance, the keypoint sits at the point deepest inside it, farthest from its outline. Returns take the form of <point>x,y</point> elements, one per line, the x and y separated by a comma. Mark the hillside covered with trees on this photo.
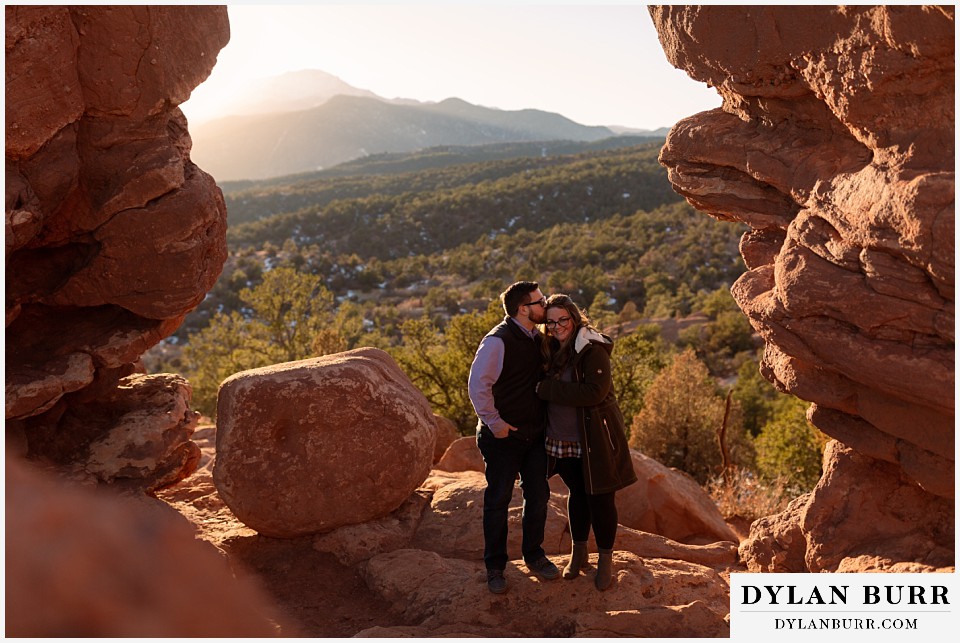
<point>412,261</point>
<point>422,212</point>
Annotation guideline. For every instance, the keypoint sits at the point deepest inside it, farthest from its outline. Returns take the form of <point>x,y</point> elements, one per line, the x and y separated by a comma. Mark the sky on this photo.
<point>594,64</point>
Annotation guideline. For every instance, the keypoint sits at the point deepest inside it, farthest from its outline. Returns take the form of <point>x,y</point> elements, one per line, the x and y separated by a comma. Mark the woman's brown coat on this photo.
<point>607,465</point>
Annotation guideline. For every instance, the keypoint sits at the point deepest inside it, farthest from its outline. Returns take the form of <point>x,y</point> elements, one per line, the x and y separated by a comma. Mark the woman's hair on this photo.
<point>558,355</point>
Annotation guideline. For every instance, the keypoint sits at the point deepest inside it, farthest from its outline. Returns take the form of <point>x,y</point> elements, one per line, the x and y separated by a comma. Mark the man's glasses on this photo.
<point>553,323</point>
<point>540,302</point>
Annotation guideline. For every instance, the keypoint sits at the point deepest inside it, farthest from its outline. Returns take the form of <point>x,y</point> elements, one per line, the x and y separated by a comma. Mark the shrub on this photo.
<point>789,447</point>
<point>742,494</point>
<point>681,414</point>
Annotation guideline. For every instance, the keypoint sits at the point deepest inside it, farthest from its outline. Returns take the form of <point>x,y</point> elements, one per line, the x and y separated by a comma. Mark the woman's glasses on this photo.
<point>560,321</point>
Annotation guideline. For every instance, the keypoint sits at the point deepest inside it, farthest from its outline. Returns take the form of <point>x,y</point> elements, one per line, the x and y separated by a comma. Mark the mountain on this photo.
<point>293,91</point>
<point>348,127</point>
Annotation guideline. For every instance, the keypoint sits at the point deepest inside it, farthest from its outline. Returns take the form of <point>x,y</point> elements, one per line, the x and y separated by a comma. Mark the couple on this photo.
<point>546,405</point>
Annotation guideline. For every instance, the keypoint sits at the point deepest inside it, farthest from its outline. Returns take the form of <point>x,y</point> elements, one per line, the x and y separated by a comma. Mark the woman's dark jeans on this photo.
<point>504,459</point>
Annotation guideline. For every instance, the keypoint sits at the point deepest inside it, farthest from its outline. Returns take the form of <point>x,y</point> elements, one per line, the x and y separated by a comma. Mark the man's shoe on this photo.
<point>544,568</point>
<point>496,583</point>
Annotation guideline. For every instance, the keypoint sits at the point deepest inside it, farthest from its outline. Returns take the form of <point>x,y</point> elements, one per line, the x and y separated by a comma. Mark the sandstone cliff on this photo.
<point>835,144</point>
<point>112,234</point>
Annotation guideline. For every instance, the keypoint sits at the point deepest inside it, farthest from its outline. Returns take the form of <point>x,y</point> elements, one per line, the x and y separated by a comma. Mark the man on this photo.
<point>510,431</point>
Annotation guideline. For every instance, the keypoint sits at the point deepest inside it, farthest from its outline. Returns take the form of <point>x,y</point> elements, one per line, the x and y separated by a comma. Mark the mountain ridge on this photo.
<point>352,123</point>
<point>293,91</point>
<point>348,127</point>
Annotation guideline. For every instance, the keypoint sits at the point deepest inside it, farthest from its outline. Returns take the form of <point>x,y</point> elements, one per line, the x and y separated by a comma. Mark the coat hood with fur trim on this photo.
<point>587,335</point>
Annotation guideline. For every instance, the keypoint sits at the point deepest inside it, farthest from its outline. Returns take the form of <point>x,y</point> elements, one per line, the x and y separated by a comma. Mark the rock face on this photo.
<point>135,435</point>
<point>835,144</point>
<point>305,447</point>
<point>112,234</point>
<point>862,516</point>
<point>96,564</point>
<point>669,502</point>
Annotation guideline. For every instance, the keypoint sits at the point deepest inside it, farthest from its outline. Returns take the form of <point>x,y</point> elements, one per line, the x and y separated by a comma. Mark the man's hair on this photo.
<point>517,294</point>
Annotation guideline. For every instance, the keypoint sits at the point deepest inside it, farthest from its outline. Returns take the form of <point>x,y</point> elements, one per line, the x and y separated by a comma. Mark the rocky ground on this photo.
<point>308,586</point>
<point>320,596</point>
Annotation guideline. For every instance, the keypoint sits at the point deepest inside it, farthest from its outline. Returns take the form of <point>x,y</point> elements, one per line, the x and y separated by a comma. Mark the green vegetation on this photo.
<point>437,360</point>
<point>658,260</point>
<point>421,213</point>
<point>789,447</point>
<point>412,262</point>
<point>593,222</point>
<point>637,359</point>
<point>681,413</point>
<point>288,318</point>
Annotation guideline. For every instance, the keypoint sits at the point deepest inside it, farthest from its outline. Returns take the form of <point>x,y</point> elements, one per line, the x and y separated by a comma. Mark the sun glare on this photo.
<point>593,64</point>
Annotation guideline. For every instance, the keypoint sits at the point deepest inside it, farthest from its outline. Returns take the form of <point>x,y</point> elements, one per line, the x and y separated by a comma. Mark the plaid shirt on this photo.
<point>562,449</point>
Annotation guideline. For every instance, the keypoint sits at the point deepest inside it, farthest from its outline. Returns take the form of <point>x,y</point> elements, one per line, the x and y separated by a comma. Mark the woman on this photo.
<point>585,439</point>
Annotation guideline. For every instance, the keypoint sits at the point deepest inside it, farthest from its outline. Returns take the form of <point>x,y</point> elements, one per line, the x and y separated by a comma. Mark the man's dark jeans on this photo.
<point>504,459</point>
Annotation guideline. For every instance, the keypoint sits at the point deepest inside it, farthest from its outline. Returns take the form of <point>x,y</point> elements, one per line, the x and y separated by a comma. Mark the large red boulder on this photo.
<point>305,447</point>
<point>669,502</point>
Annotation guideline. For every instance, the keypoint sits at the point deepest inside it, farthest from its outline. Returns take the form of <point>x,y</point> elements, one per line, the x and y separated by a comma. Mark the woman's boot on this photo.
<point>578,560</point>
<point>604,569</point>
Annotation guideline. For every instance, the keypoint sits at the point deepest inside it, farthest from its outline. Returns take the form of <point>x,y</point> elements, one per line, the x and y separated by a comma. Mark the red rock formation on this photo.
<point>835,143</point>
<point>669,502</point>
<point>305,447</point>
<point>462,455</point>
<point>446,434</point>
<point>90,563</point>
<point>112,234</point>
<point>862,516</point>
<point>148,444</point>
